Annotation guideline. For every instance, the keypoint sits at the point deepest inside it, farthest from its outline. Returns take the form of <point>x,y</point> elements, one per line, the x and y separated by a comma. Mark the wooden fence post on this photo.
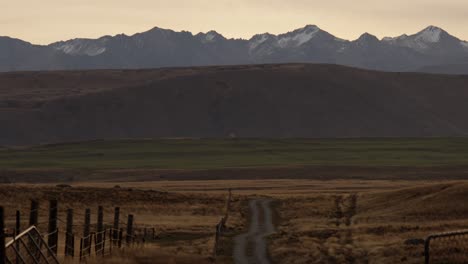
<point>81,249</point>
<point>18,223</point>
<point>86,232</point>
<point>115,231</point>
<point>427,245</point>
<point>34,214</point>
<point>217,234</point>
<point>228,208</point>
<point>111,241</point>
<point>2,237</point>
<point>69,237</point>
<point>120,237</point>
<point>52,239</point>
<point>130,229</point>
<point>17,231</point>
<point>99,228</point>
<point>103,246</point>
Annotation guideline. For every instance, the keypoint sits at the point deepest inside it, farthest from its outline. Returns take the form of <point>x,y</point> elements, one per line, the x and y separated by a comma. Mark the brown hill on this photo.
<point>294,100</point>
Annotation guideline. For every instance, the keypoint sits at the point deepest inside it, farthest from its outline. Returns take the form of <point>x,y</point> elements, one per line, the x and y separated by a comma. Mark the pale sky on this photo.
<point>46,21</point>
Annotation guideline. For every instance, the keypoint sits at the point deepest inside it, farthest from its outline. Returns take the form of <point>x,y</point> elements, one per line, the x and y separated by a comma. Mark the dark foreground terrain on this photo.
<point>296,100</point>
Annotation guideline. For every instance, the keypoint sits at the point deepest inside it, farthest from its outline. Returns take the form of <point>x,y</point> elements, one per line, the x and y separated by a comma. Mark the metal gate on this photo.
<point>450,247</point>
<point>29,247</point>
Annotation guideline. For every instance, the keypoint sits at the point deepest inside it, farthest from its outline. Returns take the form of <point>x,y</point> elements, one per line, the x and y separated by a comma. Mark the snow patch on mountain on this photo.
<point>258,40</point>
<point>465,44</point>
<point>76,50</point>
<point>420,41</point>
<point>209,37</point>
<point>298,38</point>
<point>394,39</point>
<point>78,47</point>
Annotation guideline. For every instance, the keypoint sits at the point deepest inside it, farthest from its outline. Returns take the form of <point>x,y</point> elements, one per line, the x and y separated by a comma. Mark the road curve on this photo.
<point>251,247</point>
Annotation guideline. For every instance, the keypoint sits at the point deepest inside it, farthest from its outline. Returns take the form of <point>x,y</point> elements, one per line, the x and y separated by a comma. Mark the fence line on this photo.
<point>221,225</point>
<point>30,246</point>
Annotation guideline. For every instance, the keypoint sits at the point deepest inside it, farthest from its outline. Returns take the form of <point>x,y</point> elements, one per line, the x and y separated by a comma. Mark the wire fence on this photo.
<point>75,241</point>
<point>44,242</point>
<point>450,247</point>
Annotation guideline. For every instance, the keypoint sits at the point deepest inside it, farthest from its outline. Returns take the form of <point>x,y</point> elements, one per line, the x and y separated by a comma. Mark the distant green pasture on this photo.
<point>225,153</point>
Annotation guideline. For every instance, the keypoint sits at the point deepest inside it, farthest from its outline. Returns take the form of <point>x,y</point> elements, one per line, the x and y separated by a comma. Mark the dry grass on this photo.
<point>153,255</point>
<point>322,228</point>
<point>269,187</point>
<point>184,223</point>
<point>338,221</point>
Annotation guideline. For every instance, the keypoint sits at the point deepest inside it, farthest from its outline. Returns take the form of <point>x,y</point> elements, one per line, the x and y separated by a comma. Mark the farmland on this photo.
<point>333,200</point>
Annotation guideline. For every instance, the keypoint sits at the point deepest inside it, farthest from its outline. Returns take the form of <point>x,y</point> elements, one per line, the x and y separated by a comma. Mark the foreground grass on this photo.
<point>375,227</point>
<point>224,153</point>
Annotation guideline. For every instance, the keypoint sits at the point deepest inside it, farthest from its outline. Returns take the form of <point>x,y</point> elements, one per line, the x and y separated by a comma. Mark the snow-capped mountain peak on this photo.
<point>210,36</point>
<point>430,34</point>
<point>422,41</point>
<point>298,37</point>
<point>257,40</point>
<point>309,28</point>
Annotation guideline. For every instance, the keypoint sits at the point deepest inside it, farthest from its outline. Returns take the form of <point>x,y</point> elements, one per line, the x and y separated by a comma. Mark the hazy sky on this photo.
<point>45,21</point>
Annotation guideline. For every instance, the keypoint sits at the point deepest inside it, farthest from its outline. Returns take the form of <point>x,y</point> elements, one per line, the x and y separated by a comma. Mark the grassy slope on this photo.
<point>217,153</point>
<point>260,101</point>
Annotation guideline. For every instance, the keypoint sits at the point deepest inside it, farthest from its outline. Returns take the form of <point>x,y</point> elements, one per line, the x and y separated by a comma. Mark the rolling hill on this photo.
<point>264,101</point>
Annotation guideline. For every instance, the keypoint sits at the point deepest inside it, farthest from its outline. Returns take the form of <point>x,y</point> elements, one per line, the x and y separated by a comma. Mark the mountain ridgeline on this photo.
<point>263,101</point>
<point>431,50</point>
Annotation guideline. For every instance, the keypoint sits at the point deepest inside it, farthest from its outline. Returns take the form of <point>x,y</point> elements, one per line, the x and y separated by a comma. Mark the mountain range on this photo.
<point>430,50</point>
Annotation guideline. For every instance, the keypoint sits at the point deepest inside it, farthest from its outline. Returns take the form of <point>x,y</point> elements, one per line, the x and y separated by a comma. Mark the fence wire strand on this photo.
<point>449,247</point>
<point>102,243</point>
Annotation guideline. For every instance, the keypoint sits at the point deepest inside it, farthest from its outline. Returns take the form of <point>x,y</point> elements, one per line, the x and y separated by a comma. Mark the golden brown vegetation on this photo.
<point>339,221</point>
<point>368,227</point>
<point>184,223</point>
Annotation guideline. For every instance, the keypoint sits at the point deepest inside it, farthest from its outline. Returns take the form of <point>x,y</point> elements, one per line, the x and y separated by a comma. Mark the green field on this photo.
<point>224,153</point>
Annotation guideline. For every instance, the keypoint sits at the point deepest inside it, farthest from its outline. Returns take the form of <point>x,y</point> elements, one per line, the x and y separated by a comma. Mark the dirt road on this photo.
<point>251,247</point>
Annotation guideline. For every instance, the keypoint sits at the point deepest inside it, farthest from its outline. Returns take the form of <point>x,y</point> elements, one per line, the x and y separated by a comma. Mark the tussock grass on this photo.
<point>316,228</point>
<point>337,221</point>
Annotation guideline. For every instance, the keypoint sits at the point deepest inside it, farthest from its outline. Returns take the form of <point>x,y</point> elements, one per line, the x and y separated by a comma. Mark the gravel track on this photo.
<point>251,247</point>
